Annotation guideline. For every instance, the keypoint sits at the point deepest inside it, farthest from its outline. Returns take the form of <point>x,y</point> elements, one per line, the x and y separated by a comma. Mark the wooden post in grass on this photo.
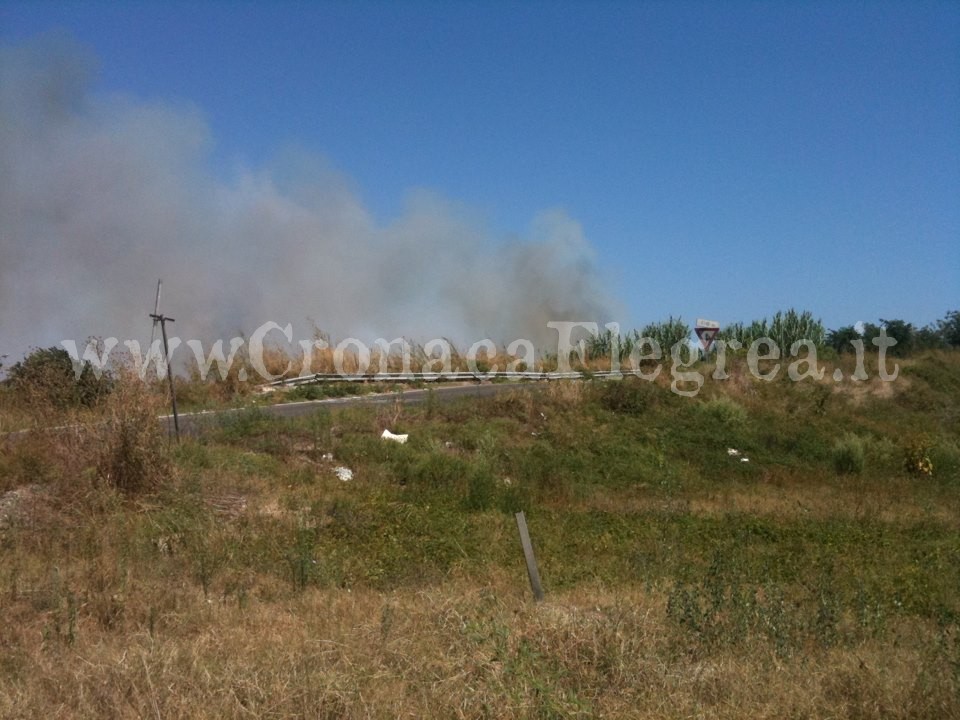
<point>529,557</point>
<point>163,320</point>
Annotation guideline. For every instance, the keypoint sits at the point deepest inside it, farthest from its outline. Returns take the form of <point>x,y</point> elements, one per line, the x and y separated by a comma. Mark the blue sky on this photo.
<point>724,160</point>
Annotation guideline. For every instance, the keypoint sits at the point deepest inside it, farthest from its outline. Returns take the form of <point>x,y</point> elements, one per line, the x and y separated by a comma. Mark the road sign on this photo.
<point>707,331</point>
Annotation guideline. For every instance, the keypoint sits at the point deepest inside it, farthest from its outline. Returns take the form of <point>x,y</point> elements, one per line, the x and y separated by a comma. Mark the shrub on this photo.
<point>48,377</point>
<point>881,452</point>
<point>628,397</point>
<point>725,410</point>
<point>848,455</point>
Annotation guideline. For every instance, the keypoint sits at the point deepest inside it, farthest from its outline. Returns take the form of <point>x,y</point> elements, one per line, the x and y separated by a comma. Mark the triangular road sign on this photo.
<point>707,336</point>
<point>707,331</point>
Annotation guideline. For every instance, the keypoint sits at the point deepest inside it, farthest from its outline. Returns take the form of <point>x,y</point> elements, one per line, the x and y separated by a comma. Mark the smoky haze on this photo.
<point>102,195</point>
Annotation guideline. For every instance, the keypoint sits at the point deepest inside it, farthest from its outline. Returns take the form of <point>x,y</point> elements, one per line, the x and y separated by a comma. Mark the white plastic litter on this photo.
<point>733,452</point>
<point>344,473</point>
<point>387,435</point>
<point>744,459</point>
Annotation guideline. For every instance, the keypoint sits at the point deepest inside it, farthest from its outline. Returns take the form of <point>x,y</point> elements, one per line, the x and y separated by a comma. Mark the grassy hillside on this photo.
<point>236,576</point>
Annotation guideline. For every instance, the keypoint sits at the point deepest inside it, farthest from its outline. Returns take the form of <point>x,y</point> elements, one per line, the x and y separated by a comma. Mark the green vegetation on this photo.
<point>848,455</point>
<point>812,573</point>
<point>667,334</point>
<point>942,334</point>
<point>48,377</point>
<point>320,391</point>
<point>785,329</point>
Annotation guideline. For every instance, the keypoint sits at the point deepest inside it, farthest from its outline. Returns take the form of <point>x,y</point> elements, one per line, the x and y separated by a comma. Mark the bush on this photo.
<point>848,455</point>
<point>725,410</point>
<point>48,377</point>
<point>882,453</point>
<point>628,396</point>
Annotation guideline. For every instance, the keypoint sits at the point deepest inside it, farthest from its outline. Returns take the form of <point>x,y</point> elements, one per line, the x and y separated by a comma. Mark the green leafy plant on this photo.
<point>49,376</point>
<point>848,455</point>
<point>724,410</point>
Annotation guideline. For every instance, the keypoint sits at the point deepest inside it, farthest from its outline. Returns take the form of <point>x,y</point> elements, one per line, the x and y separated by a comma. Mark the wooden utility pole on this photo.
<point>163,320</point>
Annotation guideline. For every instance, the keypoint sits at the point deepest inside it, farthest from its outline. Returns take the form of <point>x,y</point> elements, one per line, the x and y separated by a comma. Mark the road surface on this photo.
<point>193,422</point>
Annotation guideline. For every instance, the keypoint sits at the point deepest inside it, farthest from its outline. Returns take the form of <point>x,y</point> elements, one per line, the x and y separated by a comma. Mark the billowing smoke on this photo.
<point>100,196</point>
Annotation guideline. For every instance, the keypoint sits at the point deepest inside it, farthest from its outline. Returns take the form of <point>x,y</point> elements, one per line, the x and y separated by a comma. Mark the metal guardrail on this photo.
<point>458,376</point>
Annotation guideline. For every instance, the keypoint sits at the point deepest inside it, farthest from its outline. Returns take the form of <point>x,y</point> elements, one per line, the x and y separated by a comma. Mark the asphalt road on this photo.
<point>191,423</point>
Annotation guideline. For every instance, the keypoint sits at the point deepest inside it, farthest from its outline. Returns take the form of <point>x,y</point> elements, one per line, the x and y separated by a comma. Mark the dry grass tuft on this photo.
<point>132,452</point>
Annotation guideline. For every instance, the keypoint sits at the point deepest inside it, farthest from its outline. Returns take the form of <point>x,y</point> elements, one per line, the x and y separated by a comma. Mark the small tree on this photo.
<point>949,328</point>
<point>903,332</point>
<point>841,338</point>
<point>929,338</point>
<point>48,375</point>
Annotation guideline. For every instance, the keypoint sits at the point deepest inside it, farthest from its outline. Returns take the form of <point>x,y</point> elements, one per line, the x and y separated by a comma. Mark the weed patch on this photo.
<point>848,455</point>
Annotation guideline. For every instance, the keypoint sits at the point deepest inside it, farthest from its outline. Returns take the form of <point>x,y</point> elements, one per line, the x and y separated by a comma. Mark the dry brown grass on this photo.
<point>473,648</point>
<point>131,450</point>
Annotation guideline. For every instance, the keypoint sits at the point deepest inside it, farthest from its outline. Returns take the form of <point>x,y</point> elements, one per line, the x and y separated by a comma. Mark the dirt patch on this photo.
<point>859,391</point>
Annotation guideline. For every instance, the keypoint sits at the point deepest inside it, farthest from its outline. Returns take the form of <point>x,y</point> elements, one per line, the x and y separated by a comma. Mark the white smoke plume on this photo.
<point>100,196</point>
